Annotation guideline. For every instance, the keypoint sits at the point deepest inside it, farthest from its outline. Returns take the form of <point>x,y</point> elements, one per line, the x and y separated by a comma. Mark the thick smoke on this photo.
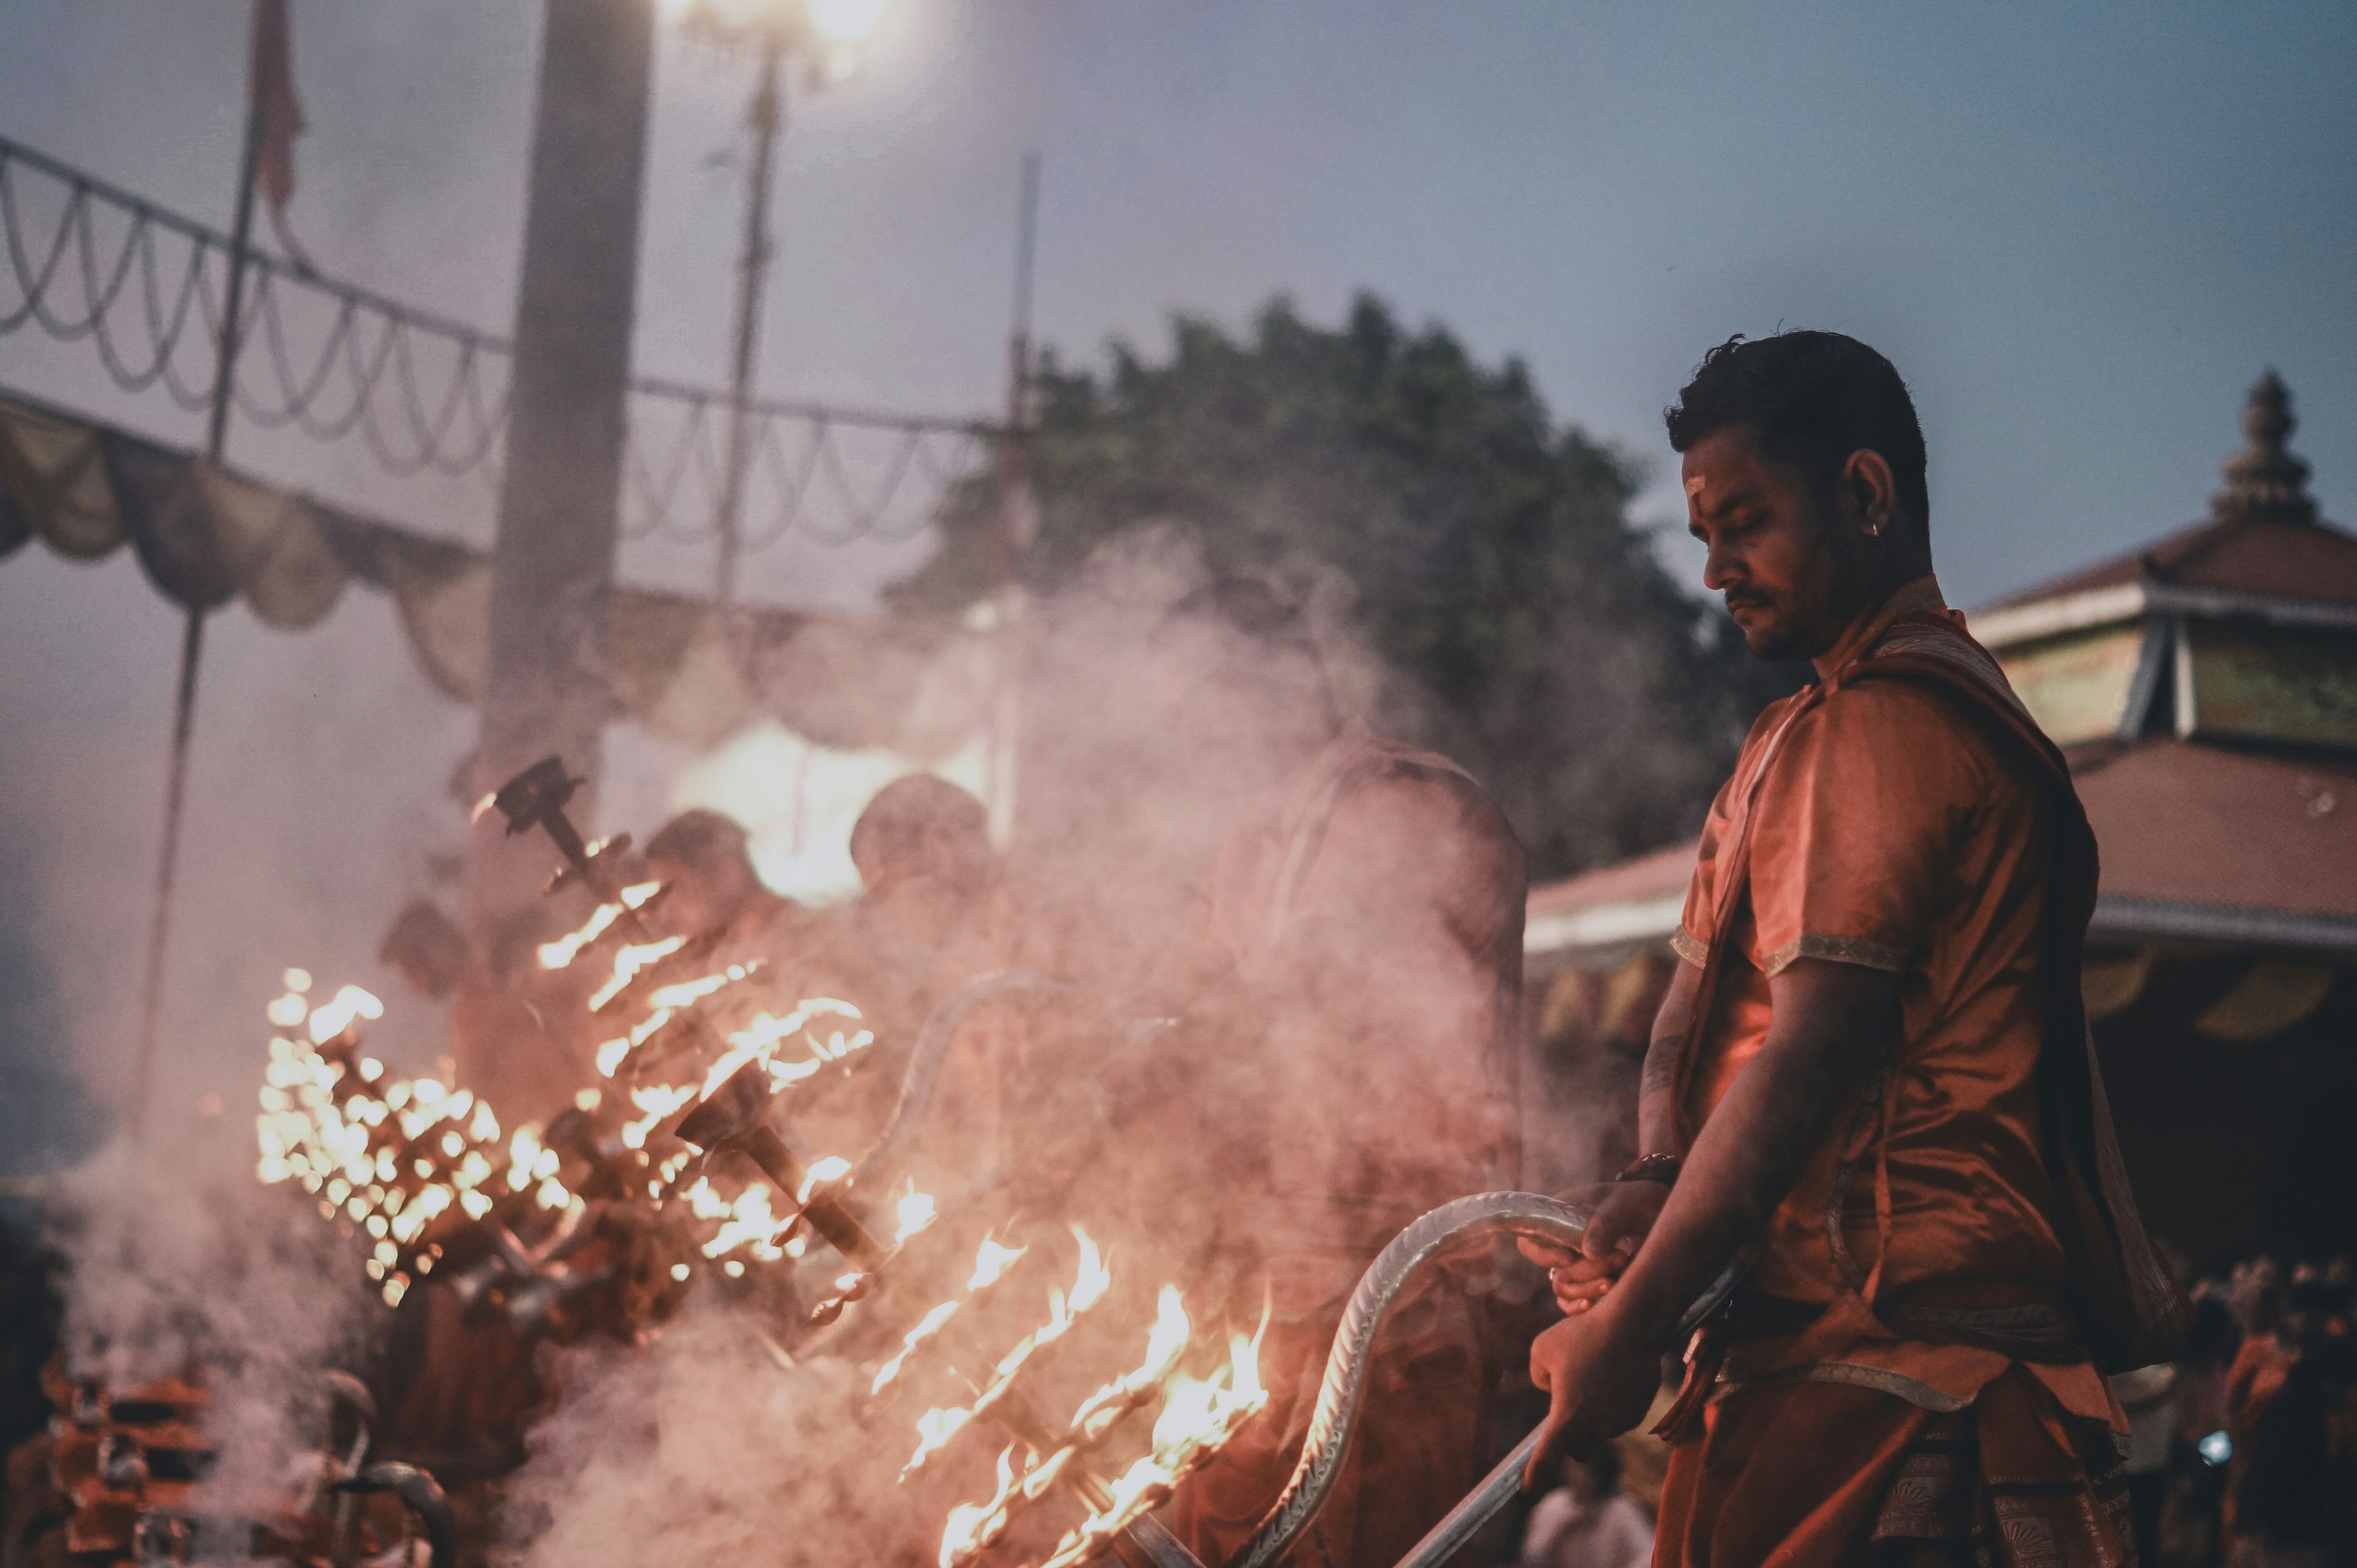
<point>700,1448</point>
<point>703,1448</point>
<point>181,1265</point>
<point>1149,729</point>
<point>1154,727</point>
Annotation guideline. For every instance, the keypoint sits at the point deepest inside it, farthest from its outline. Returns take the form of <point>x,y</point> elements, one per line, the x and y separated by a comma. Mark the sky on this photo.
<point>2080,230</point>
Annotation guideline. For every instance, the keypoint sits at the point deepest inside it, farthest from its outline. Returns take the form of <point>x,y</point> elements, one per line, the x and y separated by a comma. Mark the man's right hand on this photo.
<point>1619,1215</point>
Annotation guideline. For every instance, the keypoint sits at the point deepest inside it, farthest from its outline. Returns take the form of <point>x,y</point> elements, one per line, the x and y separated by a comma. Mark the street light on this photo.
<point>826,37</point>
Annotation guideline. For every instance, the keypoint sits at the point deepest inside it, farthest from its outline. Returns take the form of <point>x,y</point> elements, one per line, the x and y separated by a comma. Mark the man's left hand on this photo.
<point>1599,1385</point>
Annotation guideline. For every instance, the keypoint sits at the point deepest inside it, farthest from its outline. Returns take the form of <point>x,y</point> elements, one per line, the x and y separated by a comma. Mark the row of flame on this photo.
<point>1197,1415</point>
<point>746,1223</point>
<point>393,1155</point>
<point>361,1143</point>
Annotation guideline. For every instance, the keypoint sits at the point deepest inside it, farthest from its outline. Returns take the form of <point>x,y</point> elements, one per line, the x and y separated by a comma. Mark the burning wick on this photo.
<point>914,1212</point>
<point>566,948</point>
<point>928,1325</point>
<point>627,962</point>
<point>934,1429</point>
<point>331,1123</point>
<point>335,1017</point>
<point>990,1262</point>
<point>821,1173</point>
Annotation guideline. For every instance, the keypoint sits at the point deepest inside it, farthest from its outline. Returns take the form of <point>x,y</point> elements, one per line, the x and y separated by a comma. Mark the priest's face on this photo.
<point>1793,563</point>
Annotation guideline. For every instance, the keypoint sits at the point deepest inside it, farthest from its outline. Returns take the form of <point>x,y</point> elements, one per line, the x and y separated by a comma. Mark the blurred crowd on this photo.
<point>2244,1452</point>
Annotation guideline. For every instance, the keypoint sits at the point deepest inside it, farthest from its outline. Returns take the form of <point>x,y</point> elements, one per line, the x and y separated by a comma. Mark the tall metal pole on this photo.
<point>1018,344</point>
<point>193,637</point>
<point>767,120</point>
<point>1018,517</point>
<point>553,554</point>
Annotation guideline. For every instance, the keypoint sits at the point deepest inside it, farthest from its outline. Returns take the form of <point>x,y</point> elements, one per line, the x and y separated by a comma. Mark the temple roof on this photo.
<point>2197,840</point>
<point>2263,535</point>
<point>2252,555</point>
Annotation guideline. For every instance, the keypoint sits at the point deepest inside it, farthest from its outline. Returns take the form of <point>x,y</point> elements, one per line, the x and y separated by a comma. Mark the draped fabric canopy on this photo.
<point>205,535</point>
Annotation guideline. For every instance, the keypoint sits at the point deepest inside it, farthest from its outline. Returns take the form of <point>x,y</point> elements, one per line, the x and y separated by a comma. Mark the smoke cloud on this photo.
<point>1155,723</point>
<point>180,1265</point>
<point>702,1449</point>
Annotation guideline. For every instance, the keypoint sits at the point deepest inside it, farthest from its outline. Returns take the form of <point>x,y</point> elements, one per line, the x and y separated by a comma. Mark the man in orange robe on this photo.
<point>1871,1076</point>
<point>1361,936</point>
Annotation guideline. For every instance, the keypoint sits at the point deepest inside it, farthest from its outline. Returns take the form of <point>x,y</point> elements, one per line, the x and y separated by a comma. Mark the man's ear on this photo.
<point>1870,493</point>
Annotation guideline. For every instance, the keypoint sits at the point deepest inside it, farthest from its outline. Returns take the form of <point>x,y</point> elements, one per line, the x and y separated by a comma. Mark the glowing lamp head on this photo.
<point>845,21</point>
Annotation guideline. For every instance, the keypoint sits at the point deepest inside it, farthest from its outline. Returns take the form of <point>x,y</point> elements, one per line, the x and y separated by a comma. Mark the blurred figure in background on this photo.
<point>941,912</point>
<point>2296,1500</point>
<point>2192,1520</point>
<point>712,892</point>
<point>2151,1397</point>
<point>714,898</point>
<point>1588,1521</point>
<point>1342,1067</point>
<point>923,851</point>
<point>516,1030</point>
<point>518,1033</point>
<point>426,948</point>
<point>2255,1293</point>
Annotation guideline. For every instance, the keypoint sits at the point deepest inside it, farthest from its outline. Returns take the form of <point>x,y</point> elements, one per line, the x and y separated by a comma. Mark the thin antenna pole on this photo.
<point>767,119</point>
<point>193,637</point>
<point>1026,242</point>
<point>1015,468</point>
<point>1019,512</point>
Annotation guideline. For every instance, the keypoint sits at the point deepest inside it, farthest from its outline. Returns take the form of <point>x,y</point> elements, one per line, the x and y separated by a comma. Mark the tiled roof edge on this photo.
<point>2015,624</point>
<point>2161,919</point>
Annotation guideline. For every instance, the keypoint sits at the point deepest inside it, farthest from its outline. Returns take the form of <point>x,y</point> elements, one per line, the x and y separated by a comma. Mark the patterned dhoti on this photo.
<point>1813,1475</point>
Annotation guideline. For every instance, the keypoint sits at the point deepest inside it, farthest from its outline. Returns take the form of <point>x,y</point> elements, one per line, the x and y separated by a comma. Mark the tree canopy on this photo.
<point>1526,627</point>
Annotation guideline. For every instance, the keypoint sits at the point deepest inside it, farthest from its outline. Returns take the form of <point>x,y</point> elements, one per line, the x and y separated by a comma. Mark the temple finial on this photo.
<point>2263,481</point>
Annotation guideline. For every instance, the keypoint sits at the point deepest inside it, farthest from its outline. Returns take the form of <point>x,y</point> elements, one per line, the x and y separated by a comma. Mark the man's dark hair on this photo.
<point>700,839</point>
<point>1812,398</point>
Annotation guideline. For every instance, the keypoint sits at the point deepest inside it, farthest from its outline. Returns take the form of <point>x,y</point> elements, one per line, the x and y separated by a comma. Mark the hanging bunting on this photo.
<point>54,470</point>
<point>205,536</point>
<point>170,526</point>
<point>287,571</point>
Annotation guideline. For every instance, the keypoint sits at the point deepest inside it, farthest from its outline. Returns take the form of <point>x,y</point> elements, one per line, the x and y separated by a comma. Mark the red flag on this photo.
<point>270,83</point>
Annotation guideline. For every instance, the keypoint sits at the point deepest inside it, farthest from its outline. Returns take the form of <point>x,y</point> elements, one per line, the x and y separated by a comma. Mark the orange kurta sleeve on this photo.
<point>1858,825</point>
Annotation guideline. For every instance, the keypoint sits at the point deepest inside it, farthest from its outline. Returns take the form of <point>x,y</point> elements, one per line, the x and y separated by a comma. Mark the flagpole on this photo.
<point>192,637</point>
